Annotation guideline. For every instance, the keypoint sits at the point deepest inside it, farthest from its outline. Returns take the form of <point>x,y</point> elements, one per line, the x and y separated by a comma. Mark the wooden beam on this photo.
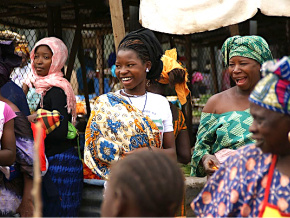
<point>84,75</point>
<point>213,69</point>
<point>117,19</point>
<point>134,18</point>
<point>50,24</point>
<point>30,11</point>
<point>73,51</point>
<point>234,29</point>
<point>187,108</point>
<point>57,22</point>
<point>100,60</point>
<point>76,41</point>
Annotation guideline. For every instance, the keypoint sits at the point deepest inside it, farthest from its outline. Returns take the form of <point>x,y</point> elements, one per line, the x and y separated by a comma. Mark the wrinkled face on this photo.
<point>245,72</point>
<point>131,71</point>
<point>270,130</point>
<point>42,60</point>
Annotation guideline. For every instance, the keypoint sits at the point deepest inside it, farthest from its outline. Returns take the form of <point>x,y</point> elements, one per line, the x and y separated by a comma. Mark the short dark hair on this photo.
<point>156,181</point>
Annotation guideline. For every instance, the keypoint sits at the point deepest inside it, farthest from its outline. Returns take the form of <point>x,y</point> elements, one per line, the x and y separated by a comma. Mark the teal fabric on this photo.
<point>219,131</point>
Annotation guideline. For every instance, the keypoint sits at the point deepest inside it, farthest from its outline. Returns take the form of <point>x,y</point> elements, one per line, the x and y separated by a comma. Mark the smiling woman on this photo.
<point>226,118</point>
<point>130,119</point>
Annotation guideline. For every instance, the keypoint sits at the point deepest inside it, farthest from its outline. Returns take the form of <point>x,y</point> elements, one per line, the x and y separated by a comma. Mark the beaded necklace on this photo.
<point>135,96</point>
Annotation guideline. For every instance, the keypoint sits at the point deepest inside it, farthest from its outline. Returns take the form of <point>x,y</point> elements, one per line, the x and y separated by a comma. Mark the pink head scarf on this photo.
<point>55,75</point>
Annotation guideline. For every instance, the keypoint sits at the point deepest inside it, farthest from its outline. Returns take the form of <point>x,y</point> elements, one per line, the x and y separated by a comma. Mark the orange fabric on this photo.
<point>80,108</point>
<point>41,146</point>
<point>169,60</point>
<point>22,47</point>
<point>88,174</point>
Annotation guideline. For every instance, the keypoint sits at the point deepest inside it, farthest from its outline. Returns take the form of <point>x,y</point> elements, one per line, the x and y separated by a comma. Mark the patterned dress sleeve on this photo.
<point>115,127</point>
<point>206,137</point>
<point>232,190</point>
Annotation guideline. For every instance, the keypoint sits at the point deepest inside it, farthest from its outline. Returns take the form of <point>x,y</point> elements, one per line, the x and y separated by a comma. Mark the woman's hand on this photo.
<point>210,164</point>
<point>32,118</point>
<point>25,209</point>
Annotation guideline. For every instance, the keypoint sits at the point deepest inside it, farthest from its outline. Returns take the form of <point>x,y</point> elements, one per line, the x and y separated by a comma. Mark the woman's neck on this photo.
<point>131,93</point>
<point>283,165</point>
<point>243,92</point>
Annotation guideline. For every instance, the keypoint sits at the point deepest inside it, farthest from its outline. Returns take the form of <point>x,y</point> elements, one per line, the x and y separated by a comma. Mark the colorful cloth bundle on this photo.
<point>272,92</point>
<point>49,120</point>
<point>170,63</point>
<point>114,128</point>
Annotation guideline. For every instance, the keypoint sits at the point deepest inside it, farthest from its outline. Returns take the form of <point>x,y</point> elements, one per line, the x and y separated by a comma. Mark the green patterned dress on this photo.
<point>218,131</point>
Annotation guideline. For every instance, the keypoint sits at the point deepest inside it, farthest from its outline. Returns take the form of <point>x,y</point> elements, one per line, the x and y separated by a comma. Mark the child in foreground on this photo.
<point>143,184</point>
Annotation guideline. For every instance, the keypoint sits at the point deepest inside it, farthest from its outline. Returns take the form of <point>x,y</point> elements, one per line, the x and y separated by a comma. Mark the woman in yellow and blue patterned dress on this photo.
<point>132,118</point>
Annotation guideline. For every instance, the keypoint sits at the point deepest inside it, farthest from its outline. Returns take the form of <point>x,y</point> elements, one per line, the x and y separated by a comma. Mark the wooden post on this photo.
<point>100,60</point>
<point>213,69</point>
<point>50,25</point>
<point>117,21</point>
<point>134,18</point>
<point>57,22</point>
<point>75,45</point>
<point>287,49</point>
<point>84,75</point>
<point>187,108</point>
<point>73,51</point>
<point>234,29</point>
<point>36,190</point>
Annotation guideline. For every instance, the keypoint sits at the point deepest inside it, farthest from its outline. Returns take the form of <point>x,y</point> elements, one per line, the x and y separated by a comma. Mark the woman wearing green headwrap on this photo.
<point>226,118</point>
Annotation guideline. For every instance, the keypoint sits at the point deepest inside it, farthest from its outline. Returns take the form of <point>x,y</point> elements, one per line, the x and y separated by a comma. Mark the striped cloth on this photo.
<point>272,92</point>
<point>49,120</point>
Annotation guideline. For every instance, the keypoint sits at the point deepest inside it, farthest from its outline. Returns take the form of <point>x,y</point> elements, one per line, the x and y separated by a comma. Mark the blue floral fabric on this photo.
<point>114,128</point>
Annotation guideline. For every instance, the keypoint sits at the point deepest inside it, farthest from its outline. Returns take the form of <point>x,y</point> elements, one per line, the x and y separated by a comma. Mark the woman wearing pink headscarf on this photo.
<point>62,184</point>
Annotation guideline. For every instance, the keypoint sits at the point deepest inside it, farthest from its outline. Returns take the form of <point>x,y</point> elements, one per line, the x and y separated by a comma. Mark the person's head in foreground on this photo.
<point>244,55</point>
<point>270,108</point>
<point>255,181</point>
<point>144,184</point>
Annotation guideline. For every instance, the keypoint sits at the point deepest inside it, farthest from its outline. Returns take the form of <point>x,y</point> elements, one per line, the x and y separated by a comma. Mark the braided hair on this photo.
<point>155,181</point>
<point>147,47</point>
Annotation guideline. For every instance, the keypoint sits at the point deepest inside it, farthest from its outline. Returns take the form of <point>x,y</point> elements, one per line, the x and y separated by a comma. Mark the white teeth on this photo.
<point>126,79</point>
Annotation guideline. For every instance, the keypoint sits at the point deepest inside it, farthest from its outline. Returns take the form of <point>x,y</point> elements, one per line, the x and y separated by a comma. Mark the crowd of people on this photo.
<point>135,139</point>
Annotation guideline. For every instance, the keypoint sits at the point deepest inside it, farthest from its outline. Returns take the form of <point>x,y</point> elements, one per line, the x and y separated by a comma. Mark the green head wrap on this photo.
<point>254,47</point>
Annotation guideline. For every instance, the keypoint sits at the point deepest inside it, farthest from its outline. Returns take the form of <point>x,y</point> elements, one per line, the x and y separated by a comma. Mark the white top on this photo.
<point>156,107</point>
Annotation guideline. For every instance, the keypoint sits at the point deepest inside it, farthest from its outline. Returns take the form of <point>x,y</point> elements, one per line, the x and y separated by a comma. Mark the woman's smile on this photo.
<point>130,70</point>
